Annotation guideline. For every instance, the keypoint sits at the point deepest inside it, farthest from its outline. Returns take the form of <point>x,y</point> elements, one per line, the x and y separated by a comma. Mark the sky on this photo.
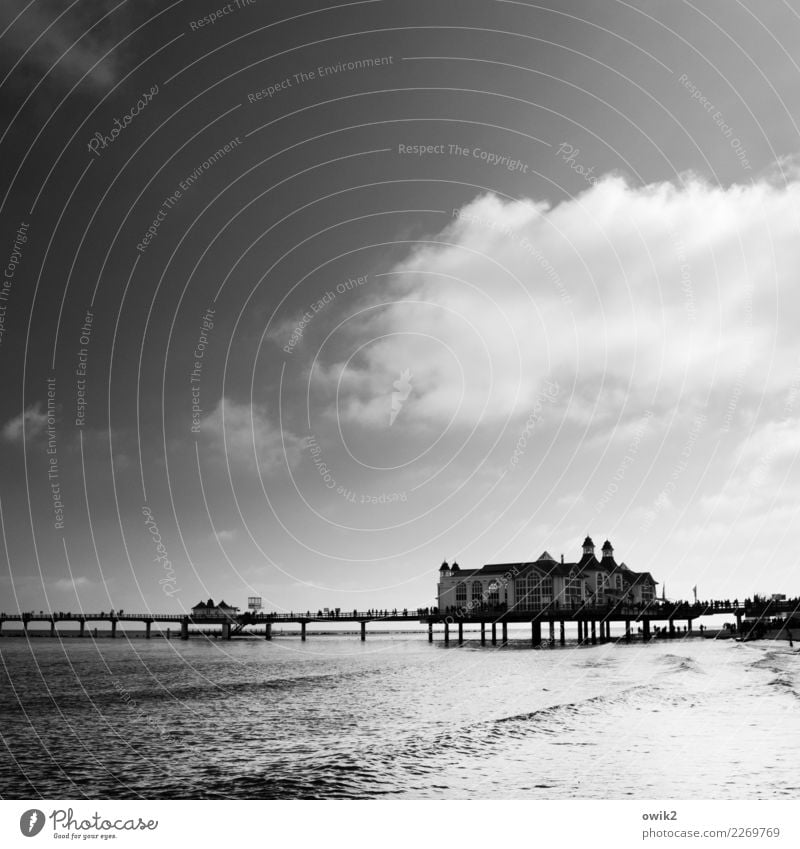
<point>300,299</point>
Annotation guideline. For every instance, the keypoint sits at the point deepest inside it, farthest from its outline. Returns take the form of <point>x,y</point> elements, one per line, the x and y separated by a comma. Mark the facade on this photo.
<point>208,608</point>
<point>544,583</point>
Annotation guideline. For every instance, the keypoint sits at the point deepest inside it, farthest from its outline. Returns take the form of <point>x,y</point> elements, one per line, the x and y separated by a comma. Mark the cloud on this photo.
<point>245,433</point>
<point>32,421</point>
<point>632,298</point>
<point>572,499</point>
<point>67,584</point>
<point>44,41</point>
<point>225,535</point>
<point>763,473</point>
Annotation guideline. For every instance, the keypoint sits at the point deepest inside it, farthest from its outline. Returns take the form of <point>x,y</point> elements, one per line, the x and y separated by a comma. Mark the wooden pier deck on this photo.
<point>593,621</point>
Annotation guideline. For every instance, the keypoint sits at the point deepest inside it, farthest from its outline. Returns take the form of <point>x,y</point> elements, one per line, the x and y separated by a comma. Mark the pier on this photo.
<point>593,621</point>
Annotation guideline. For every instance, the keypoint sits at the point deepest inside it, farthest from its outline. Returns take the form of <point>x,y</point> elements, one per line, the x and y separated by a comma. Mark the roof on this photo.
<point>548,567</point>
<point>556,569</point>
<point>588,561</point>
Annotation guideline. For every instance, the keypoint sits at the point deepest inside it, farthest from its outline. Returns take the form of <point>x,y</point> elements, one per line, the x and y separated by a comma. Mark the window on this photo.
<point>618,583</point>
<point>477,591</point>
<point>494,594</point>
<point>601,584</point>
<point>573,592</point>
<point>533,591</point>
<point>647,592</point>
<point>461,593</point>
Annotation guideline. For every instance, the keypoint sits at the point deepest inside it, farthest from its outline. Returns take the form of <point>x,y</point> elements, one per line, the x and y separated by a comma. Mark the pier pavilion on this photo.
<point>544,583</point>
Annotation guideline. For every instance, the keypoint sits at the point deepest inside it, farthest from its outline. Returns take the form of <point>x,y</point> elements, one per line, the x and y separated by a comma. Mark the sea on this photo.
<point>397,717</point>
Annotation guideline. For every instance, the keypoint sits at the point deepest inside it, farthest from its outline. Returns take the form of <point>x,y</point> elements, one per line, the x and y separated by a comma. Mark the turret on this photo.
<point>444,570</point>
<point>608,550</point>
<point>588,546</point>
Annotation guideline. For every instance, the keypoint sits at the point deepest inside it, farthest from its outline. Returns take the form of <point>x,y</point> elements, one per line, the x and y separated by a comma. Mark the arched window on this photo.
<point>533,591</point>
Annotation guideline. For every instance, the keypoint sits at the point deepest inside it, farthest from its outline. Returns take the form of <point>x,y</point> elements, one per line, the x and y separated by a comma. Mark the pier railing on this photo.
<point>655,609</point>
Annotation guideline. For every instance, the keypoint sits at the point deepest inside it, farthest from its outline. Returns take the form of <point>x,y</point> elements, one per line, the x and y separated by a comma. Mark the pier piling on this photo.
<point>363,631</point>
<point>185,629</point>
<point>430,632</point>
<point>303,631</point>
<point>460,633</point>
<point>494,633</point>
<point>627,630</point>
<point>446,632</point>
<point>147,629</point>
<point>114,628</point>
<point>561,633</point>
<point>505,633</point>
<point>483,633</point>
<point>268,631</point>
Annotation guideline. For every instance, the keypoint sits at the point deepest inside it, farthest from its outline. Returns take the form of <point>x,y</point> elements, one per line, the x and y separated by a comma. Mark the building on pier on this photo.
<point>544,582</point>
<point>214,611</point>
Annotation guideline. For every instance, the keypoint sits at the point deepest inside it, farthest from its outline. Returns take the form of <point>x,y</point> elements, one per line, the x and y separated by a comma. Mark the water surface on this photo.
<point>396,717</point>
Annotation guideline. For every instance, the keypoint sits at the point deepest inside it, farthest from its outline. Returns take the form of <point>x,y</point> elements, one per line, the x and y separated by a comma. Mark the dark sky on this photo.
<point>353,288</point>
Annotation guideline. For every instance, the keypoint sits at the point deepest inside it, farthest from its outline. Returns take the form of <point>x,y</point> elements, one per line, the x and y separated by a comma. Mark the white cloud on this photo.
<point>629,297</point>
<point>572,499</point>
<point>225,535</point>
<point>32,420</point>
<point>249,435</point>
<point>67,584</point>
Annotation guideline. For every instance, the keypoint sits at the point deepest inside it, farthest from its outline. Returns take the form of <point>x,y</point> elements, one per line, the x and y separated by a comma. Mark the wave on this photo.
<point>372,771</point>
<point>154,692</point>
<point>681,663</point>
